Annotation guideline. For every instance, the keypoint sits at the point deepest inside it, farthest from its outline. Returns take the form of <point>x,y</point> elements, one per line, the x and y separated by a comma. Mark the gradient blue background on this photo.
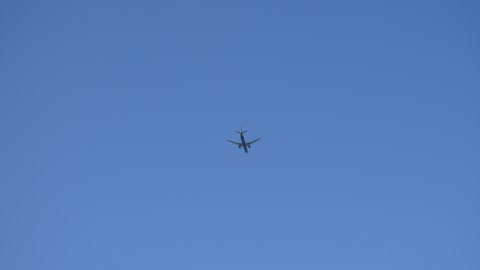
<point>114,116</point>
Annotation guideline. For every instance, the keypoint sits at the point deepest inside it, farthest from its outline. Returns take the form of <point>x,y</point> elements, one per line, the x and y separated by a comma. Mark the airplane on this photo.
<point>243,144</point>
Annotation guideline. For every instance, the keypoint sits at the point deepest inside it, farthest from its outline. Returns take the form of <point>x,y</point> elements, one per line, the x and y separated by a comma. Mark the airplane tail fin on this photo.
<point>241,131</point>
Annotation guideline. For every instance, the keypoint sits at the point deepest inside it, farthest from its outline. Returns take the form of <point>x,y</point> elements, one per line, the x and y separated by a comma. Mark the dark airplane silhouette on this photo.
<point>243,144</point>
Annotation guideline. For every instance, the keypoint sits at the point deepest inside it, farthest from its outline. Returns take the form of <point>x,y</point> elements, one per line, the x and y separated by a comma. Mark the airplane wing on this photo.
<point>253,141</point>
<point>238,144</point>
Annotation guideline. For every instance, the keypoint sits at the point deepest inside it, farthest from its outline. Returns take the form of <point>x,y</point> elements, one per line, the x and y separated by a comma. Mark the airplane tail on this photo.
<point>241,131</point>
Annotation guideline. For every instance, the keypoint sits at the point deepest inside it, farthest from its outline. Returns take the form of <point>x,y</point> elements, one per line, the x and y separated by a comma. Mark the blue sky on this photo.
<point>114,118</point>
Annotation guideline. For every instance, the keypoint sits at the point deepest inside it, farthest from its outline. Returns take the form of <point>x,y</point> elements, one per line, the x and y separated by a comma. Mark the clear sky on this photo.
<point>115,114</point>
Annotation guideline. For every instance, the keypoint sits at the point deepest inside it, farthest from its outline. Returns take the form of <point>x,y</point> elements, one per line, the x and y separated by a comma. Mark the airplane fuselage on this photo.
<point>244,144</point>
